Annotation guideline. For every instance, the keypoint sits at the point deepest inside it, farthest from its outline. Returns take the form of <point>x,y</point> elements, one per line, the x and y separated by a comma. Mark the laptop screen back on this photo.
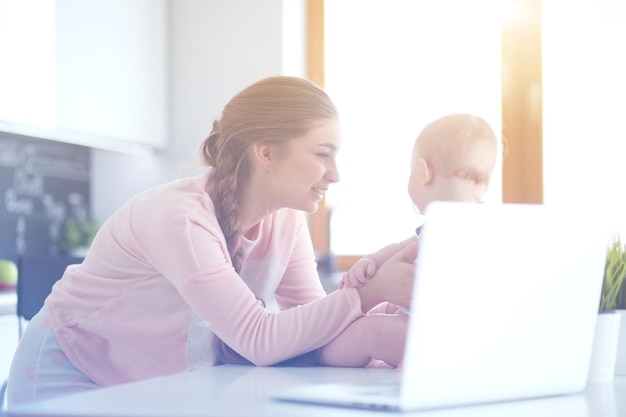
<point>504,305</point>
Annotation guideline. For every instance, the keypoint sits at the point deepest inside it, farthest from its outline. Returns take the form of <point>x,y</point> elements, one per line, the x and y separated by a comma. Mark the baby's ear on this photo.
<point>425,171</point>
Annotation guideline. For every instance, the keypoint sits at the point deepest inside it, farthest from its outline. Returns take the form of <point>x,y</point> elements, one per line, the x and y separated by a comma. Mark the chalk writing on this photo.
<point>42,184</point>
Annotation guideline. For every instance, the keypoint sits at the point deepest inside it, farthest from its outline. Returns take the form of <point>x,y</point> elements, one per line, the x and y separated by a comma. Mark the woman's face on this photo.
<point>304,169</point>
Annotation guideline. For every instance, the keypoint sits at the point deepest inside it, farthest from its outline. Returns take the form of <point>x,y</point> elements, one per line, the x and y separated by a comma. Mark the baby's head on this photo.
<point>453,158</point>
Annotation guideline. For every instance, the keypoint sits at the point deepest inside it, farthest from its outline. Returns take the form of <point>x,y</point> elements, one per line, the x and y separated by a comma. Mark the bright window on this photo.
<point>392,67</point>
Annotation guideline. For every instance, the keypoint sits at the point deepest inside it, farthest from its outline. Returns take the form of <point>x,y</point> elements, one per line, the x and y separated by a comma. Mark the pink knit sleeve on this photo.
<point>221,298</point>
<point>263,337</point>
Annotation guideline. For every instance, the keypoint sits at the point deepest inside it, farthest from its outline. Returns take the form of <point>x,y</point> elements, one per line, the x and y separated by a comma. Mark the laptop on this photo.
<point>504,307</point>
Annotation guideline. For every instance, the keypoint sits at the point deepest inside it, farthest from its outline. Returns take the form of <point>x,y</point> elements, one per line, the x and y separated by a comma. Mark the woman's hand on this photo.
<point>392,282</point>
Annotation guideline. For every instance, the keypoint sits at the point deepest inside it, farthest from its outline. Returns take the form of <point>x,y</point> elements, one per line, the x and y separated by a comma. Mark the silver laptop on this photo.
<point>504,307</point>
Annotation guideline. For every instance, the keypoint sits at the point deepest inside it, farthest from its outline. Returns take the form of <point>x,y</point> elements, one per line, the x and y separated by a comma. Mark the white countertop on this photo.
<point>8,302</point>
<point>243,391</point>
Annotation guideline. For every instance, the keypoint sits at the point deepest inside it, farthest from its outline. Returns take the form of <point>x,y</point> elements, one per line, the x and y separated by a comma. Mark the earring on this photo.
<point>268,169</point>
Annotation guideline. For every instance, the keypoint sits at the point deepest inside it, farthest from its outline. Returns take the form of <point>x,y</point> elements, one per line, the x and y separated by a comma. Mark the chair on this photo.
<point>36,276</point>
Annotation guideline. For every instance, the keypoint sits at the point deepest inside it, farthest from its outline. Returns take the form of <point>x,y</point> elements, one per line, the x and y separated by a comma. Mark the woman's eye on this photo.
<point>323,156</point>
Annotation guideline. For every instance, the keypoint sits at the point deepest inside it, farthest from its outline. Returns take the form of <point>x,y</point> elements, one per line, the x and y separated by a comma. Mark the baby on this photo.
<point>453,159</point>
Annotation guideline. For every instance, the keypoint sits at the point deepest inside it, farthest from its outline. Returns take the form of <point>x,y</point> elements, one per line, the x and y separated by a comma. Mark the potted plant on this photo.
<point>614,295</point>
<point>606,360</point>
<point>77,237</point>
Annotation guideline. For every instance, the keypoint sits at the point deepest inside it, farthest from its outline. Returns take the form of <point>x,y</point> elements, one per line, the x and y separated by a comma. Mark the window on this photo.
<point>392,67</point>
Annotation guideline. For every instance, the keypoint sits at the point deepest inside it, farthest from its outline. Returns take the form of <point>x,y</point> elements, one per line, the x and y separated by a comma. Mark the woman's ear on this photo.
<point>263,154</point>
<point>425,171</point>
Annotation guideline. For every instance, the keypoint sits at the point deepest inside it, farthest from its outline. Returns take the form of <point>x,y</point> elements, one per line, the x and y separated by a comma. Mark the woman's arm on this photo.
<point>366,267</point>
<point>392,282</point>
<point>378,336</point>
<point>221,298</point>
<point>382,255</point>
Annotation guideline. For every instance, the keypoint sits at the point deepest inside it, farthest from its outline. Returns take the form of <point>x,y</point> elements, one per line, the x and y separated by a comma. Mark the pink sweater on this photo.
<point>158,273</point>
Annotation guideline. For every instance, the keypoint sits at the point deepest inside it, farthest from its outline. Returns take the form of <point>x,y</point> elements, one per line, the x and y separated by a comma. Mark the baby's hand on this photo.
<point>359,274</point>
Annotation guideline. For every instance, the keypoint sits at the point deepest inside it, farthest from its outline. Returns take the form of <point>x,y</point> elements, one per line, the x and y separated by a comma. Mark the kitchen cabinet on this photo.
<point>87,72</point>
<point>8,332</point>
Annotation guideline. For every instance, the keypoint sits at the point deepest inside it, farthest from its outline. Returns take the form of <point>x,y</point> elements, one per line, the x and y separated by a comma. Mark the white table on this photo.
<point>227,391</point>
<point>8,302</point>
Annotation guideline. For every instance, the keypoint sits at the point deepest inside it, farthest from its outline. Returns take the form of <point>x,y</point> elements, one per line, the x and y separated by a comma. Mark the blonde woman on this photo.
<point>184,274</point>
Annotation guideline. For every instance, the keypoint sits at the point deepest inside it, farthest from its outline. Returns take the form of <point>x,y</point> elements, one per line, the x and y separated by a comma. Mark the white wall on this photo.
<point>216,49</point>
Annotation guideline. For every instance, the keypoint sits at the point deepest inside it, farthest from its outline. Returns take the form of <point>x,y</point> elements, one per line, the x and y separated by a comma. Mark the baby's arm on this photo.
<point>376,336</point>
<point>365,268</point>
<point>361,271</point>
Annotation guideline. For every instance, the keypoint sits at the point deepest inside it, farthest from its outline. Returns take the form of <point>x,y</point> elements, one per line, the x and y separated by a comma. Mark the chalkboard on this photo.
<point>43,184</point>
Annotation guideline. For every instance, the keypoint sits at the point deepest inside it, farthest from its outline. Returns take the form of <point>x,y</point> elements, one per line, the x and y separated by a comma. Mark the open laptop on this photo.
<point>504,307</point>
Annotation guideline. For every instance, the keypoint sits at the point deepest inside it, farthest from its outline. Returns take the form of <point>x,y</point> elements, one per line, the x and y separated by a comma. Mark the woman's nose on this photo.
<point>332,175</point>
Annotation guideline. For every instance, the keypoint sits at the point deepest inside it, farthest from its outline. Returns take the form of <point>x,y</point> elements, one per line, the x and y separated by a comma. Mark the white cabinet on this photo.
<point>9,338</point>
<point>9,334</point>
<point>91,72</point>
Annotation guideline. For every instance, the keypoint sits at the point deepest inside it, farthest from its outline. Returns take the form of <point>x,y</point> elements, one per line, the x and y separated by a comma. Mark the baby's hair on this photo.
<point>459,145</point>
<point>272,110</point>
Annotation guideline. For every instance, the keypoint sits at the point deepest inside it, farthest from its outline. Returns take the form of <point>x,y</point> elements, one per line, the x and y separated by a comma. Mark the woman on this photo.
<point>186,273</point>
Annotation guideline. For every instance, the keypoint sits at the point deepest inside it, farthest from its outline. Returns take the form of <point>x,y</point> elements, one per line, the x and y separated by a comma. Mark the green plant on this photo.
<point>613,293</point>
<point>78,234</point>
